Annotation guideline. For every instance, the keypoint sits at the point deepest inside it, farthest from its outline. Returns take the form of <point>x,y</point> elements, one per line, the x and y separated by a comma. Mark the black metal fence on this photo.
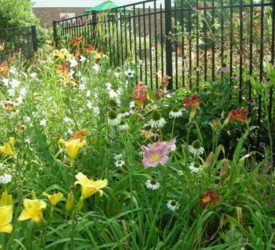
<point>191,41</point>
<point>21,40</point>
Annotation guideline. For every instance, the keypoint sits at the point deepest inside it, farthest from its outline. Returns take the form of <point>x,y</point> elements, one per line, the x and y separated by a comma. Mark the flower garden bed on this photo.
<point>91,158</point>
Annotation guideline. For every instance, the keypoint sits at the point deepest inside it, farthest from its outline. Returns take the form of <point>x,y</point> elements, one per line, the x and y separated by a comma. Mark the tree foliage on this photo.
<point>15,13</point>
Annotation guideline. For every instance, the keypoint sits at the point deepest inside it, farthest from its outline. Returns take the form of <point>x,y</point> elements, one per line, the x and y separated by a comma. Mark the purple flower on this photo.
<point>156,153</point>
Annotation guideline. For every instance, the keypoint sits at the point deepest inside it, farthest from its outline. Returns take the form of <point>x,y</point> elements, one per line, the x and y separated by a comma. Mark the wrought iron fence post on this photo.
<point>34,38</point>
<point>55,35</point>
<point>168,43</point>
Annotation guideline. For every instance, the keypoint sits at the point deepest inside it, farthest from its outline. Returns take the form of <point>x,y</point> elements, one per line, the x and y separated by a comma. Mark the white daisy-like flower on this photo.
<point>157,123</point>
<point>129,73</point>
<point>173,205</point>
<point>123,114</point>
<point>119,163</point>
<point>5,179</point>
<point>43,122</point>
<point>114,122</point>
<point>196,149</point>
<point>175,112</point>
<point>195,167</point>
<point>152,184</point>
<point>88,93</point>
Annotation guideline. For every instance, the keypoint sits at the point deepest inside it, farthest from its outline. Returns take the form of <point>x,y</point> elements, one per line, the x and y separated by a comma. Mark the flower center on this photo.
<point>112,115</point>
<point>155,157</point>
<point>196,144</point>
<point>153,182</point>
<point>175,109</point>
<point>156,115</point>
<point>206,199</point>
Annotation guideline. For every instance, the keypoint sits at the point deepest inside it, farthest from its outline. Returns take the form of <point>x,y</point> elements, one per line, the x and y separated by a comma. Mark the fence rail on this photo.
<point>191,41</point>
<point>22,40</point>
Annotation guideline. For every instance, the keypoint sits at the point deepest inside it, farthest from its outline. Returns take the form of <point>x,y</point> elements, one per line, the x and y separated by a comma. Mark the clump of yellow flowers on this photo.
<point>6,211</point>
<point>33,208</point>
<point>72,147</point>
<point>7,148</point>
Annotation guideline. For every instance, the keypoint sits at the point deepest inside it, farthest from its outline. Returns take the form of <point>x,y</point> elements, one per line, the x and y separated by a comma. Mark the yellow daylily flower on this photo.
<point>72,147</point>
<point>5,219</point>
<point>7,148</point>
<point>6,199</point>
<point>54,198</point>
<point>90,187</point>
<point>32,210</point>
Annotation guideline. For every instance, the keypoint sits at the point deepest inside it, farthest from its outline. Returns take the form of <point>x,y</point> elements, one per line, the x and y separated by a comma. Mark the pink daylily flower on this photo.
<point>156,153</point>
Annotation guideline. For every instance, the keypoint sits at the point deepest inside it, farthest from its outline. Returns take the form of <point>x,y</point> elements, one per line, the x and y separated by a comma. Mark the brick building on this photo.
<point>49,10</point>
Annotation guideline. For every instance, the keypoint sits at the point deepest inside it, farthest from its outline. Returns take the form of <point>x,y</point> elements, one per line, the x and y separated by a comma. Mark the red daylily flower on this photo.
<point>77,40</point>
<point>239,115</point>
<point>193,102</point>
<point>209,197</point>
<point>89,48</point>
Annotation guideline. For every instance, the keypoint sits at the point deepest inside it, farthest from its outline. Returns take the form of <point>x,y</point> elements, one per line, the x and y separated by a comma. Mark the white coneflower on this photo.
<point>5,179</point>
<point>175,112</point>
<point>172,205</point>
<point>113,119</point>
<point>123,114</point>
<point>123,126</point>
<point>195,167</point>
<point>119,163</point>
<point>129,73</point>
<point>157,121</point>
<point>196,149</point>
<point>152,184</point>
